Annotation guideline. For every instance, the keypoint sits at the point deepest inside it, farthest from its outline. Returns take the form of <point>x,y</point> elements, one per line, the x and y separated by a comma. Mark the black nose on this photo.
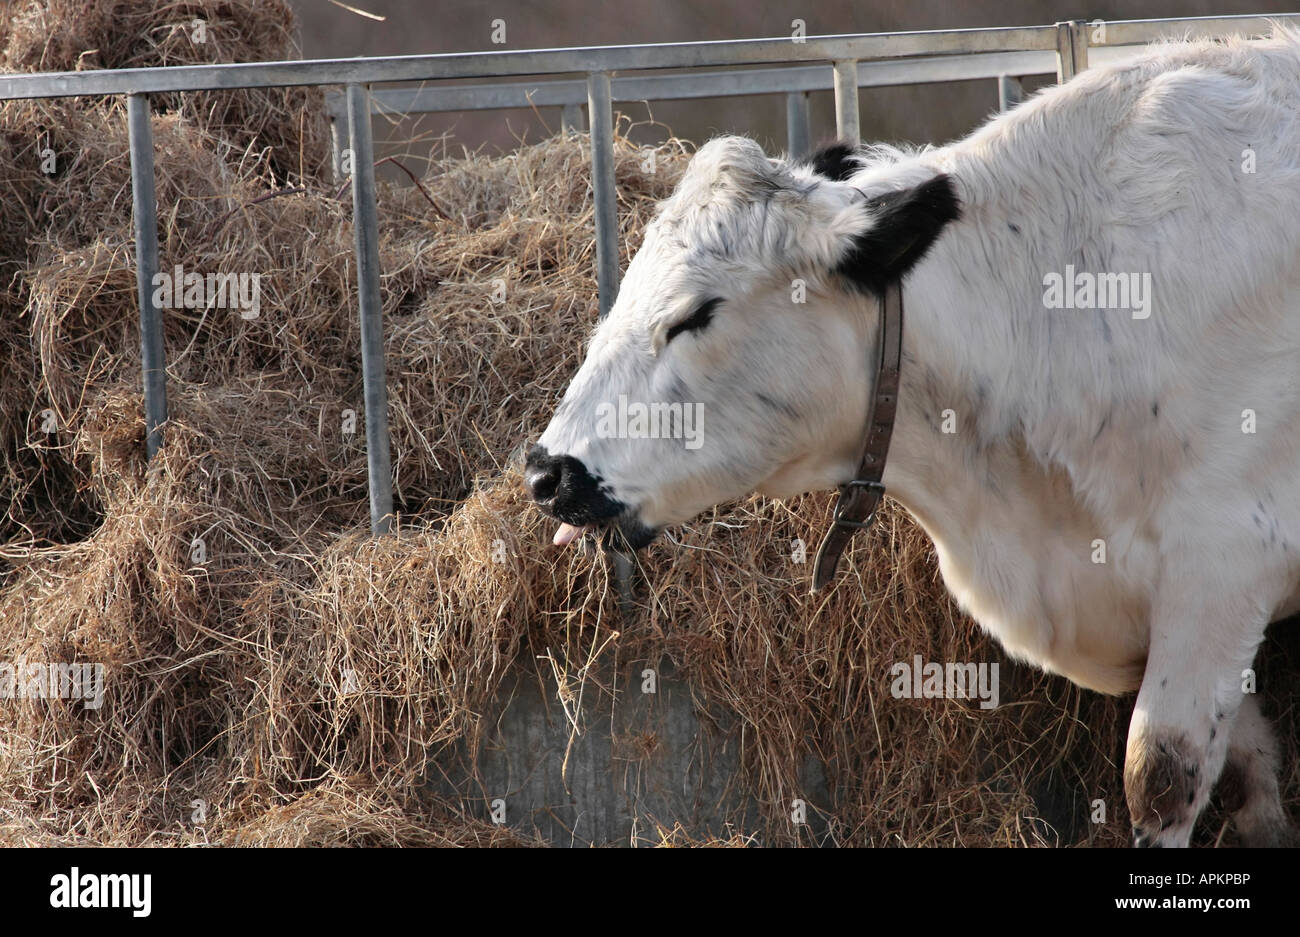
<point>564,487</point>
<point>543,475</point>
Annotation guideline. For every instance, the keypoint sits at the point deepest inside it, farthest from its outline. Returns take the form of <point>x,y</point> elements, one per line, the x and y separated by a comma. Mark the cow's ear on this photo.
<point>902,226</point>
<point>837,161</point>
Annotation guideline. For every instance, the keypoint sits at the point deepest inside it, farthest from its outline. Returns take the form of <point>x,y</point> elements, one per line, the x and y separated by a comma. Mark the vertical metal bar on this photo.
<point>1079,39</point>
<point>601,111</point>
<point>1071,49</point>
<point>1064,54</point>
<point>624,570</point>
<point>846,101</point>
<point>365,225</point>
<point>797,128</point>
<point>571,119</point>
<point>1010,92</point>
<point>144,208</point>
<point>336,143</point>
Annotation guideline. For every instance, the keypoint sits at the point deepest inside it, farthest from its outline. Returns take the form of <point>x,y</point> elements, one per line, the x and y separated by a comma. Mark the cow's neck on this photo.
<point>1011,532</point>
<point>949,406</point>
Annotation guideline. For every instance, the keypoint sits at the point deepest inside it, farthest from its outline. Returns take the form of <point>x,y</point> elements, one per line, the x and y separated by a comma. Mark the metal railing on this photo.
<point>794,81</point>
<point>856,61</point>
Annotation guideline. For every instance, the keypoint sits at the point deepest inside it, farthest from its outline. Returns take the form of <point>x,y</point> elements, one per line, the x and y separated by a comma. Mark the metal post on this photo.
<point>365,225</point>
<point>1071,49</point>
<point>1010,92</point>
<point>144,208</point>
<point>571,119</point>
<point>336,146</point>
<point>797,128</point>
<point>601,111</point>
<point>846,101</point>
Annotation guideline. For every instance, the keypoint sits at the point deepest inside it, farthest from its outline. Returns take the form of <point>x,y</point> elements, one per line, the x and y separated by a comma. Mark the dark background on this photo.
<point>917,113</point>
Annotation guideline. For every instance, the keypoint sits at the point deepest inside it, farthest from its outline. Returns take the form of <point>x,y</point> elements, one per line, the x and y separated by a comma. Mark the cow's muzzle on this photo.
<point>565,489</point>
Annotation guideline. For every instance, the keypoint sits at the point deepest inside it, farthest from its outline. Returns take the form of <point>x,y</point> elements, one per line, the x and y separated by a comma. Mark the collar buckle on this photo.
<point>849,492</point>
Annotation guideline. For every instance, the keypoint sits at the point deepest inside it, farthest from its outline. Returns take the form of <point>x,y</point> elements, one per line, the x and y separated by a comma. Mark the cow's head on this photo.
<point>738,355</point>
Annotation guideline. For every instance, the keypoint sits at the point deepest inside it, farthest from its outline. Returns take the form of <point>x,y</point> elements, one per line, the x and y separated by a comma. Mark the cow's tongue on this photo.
<point>567,534</point>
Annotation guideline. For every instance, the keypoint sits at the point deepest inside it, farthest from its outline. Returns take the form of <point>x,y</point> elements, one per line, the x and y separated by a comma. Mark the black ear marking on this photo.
<point>837,161</point>
<point>905,225</point>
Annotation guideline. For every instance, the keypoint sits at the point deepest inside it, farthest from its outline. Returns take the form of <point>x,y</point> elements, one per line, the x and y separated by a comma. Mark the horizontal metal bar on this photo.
<point>962,67</point>
<point>1135,32</point>
<point>862,47</point>
<point>1112,54</point>
<point>527,62</point>
<point>804,78</point>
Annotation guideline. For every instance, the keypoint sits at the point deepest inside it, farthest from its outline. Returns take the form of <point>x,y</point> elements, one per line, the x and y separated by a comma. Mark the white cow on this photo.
<point>1099,415</point>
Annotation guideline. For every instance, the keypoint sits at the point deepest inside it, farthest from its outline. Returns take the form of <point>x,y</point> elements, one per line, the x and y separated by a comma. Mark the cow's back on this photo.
<point>1171,428</point>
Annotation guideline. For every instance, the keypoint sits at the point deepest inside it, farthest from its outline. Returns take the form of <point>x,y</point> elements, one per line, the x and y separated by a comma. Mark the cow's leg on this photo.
<point>1248,785</point>
<point>1201,641</point>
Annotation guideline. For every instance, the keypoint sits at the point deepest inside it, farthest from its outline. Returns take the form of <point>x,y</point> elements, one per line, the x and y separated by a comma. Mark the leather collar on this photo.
<point>860,498</point>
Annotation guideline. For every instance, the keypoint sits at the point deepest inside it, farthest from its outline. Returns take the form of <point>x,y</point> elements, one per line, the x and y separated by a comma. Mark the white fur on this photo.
<point>1136,168</point>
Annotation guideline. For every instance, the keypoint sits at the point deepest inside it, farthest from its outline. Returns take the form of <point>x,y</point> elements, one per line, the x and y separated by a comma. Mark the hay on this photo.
<point>284,128</point>
<point>297,682</point>
<point>56,212</point>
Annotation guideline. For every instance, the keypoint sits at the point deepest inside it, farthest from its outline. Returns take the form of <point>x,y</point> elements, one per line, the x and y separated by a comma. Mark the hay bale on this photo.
<point>457,356</point>
<point>285,127</point>
<point>269,673</point>
<point>728,608</point>
<point>272,136</point>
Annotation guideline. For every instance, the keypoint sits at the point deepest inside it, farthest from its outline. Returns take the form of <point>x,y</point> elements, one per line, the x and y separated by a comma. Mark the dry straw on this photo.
<point>295,681</point>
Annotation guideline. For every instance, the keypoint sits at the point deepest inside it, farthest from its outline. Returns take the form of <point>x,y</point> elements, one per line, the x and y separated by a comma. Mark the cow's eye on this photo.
<point>697,320</point>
